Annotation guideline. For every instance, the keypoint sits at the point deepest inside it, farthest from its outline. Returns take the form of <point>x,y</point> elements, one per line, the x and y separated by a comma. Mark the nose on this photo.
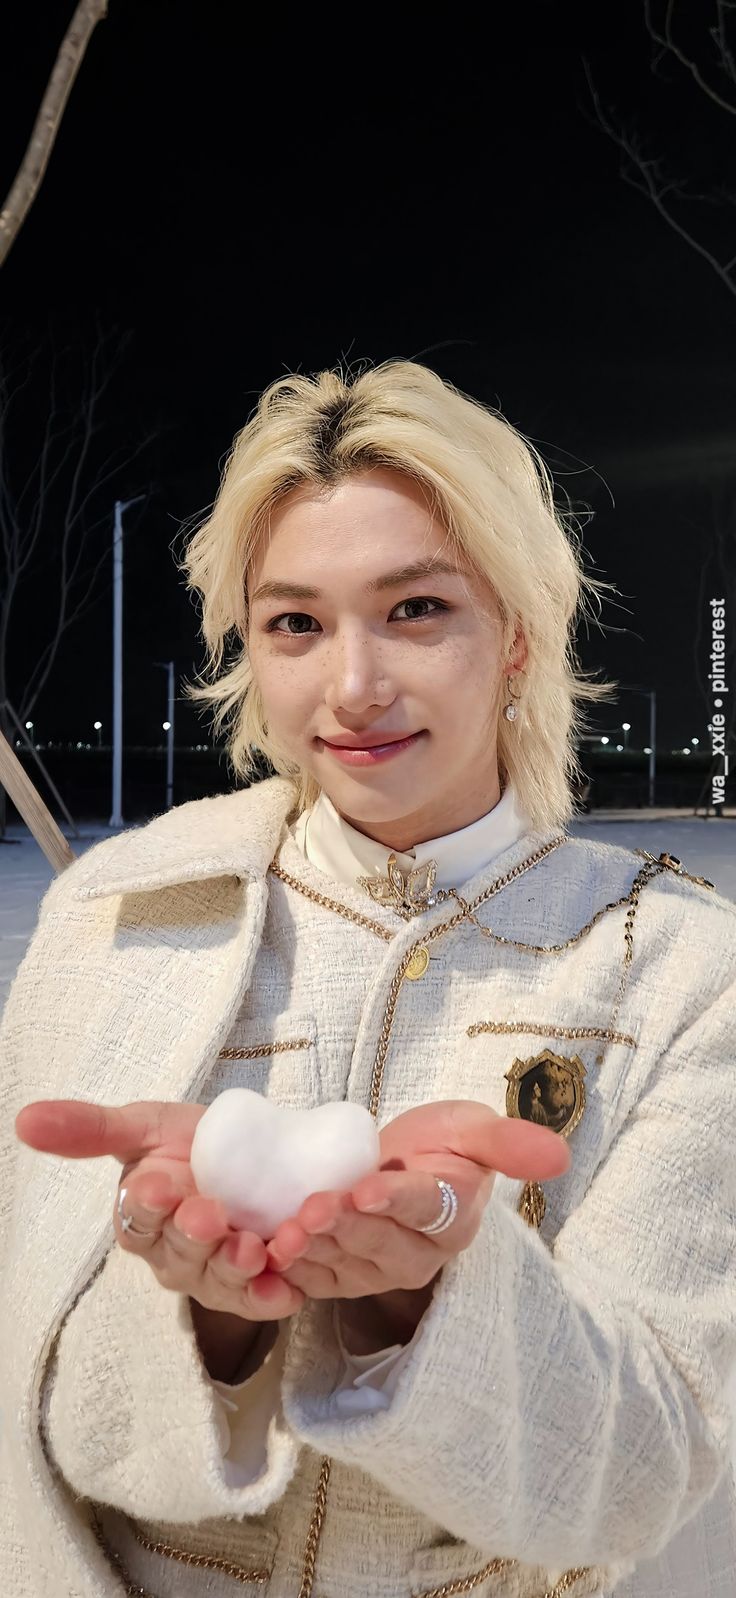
<point>356,676</point>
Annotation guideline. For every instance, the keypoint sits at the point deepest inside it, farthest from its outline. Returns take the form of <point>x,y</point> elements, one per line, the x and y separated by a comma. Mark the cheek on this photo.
<point>467,675</point>
<point>286,690</point>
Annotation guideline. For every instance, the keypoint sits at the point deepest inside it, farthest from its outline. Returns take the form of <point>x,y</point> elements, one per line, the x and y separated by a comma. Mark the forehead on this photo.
<point>375,530</point>
<point>366,500</point>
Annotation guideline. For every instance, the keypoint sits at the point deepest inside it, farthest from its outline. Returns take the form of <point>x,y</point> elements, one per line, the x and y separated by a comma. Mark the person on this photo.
<point>500,1363</point>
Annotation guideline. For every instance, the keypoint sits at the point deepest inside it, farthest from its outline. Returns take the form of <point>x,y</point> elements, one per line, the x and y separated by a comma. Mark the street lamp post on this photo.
<point>116,819</point>
<point>652,740</point>
<point>651,695</point>
<point>168,666</point>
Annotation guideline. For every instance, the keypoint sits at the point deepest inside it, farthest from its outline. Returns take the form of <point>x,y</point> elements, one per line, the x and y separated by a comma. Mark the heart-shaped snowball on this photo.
<point>263,1160</point>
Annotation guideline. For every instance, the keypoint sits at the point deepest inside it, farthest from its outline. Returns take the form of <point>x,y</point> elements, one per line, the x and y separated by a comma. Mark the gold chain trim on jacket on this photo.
<point>494,1568</point>
<point>650,869</point>
<point>553,1031</point>
<point>257,1050</point>
<point>466,1584</point>
<point>207,1561</point>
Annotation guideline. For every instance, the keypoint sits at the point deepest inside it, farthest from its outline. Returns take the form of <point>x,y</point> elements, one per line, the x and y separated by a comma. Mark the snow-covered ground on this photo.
<point>705,847</point>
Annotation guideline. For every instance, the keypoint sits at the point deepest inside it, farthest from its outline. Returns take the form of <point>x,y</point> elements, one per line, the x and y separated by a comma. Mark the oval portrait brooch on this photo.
<point>550,1091</point>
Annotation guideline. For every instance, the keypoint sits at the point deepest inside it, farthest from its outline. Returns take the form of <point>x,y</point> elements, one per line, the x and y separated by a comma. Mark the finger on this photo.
<point>316,1280</point>
<point>514,1147</point>
<point>270,1297</point>
<point>413,1199</point>
<point>147,1222</point>
<point>202,1220</point>
<point>318,1213</point>
<point>238,1260</point>
<point>150,1200</point>
<point>80,1130</point>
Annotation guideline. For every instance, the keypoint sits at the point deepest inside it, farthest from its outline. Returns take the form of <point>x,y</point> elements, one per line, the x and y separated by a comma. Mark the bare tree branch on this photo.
<point>46,126</point>
<point>647,179</point>
<point>717,34</point>
<point>61,510</point>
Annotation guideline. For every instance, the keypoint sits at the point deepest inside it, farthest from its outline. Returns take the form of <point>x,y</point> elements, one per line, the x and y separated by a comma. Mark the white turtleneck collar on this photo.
<point>330,843</point>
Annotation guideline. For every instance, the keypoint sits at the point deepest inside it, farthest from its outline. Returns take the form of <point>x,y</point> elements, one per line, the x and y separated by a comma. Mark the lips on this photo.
<point>371,755</point>
<point>371,743</point>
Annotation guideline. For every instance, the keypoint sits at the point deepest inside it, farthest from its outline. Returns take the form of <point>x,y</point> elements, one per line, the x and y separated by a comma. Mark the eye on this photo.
<point>422,601</point>
<point>303,632</point>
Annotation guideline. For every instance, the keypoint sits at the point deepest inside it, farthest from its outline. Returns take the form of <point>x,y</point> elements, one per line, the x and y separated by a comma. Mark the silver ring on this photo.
<point>448,1211</point>
<point>126,1221</point>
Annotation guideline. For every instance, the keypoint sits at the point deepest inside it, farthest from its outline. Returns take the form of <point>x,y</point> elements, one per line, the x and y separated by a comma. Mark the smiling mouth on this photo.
<point>372,754</point>
<point>383,743</point>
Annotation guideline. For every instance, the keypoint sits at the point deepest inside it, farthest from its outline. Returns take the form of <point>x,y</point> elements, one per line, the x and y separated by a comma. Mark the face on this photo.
<point>349,652</point>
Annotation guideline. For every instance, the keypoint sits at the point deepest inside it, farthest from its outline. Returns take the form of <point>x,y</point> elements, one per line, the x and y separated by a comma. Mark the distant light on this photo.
<point>647,750</point>
<point>79,745</point>
<point>619,747</point>
<point>695,740</point>
<point>626,725</point>
<point>686,751</point>
<point>166,725</point>
<point>604,740</point>
<point>29,726</point>
<point>98,726</point>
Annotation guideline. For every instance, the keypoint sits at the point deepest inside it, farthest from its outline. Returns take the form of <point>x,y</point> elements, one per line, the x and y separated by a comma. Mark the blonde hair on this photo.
<point>492,492</point>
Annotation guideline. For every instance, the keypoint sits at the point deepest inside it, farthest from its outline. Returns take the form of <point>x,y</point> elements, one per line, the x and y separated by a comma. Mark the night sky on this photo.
<point>237,195</point>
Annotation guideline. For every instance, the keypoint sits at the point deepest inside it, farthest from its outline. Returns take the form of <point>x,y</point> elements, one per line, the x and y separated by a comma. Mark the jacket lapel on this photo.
<point>233,834</point>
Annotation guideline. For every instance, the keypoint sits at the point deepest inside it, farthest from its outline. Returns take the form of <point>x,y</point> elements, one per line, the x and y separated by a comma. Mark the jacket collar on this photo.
<point>233,834</point>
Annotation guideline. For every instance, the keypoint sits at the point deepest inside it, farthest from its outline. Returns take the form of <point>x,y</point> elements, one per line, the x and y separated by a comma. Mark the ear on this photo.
<point>519,652</point>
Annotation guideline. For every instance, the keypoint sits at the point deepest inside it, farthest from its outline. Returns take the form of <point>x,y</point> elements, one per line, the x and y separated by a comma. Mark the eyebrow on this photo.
<point>394,579</point>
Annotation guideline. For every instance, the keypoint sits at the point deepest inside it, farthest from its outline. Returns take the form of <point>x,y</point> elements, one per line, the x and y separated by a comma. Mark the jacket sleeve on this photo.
<point>368,1382</point>
<point>131,1418</point>
<point>572,1406</point>
<point>128,1413</point>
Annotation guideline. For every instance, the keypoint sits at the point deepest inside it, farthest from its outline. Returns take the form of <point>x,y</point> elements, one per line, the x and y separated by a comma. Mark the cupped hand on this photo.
<point>334,1249</point>
<point>193,1250</point>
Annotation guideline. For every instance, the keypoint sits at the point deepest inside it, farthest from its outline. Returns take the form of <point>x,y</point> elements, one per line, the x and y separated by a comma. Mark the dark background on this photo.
<point>246,194</point>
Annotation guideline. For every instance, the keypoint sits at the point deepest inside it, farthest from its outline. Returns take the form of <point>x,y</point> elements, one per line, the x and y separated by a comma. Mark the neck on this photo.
<point>407,833</point>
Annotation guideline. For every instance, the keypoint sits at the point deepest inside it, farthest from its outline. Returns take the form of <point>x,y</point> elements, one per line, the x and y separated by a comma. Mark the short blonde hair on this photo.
<point>492,492</point>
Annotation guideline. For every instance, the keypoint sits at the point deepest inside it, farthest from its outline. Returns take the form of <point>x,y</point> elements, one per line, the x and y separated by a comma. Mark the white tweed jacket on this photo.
<point>563,1422</point>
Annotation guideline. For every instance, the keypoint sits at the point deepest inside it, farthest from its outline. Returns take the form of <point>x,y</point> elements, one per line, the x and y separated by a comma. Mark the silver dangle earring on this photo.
<point>510,711</point>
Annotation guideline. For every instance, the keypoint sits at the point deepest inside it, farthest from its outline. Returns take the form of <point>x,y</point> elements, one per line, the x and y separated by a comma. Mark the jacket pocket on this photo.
<point>458,1567</point>
<point>455,1566</point>
<point>274,1056</point>
<point>163,1561</point>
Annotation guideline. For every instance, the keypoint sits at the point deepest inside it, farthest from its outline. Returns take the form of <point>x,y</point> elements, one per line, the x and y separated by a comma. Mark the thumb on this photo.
<point>81,1131</point>
<point>515,1148</point>
<point>475,1132</point>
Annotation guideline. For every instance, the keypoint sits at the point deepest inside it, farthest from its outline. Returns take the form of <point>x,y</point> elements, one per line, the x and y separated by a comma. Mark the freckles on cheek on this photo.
<point>287,701</point>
